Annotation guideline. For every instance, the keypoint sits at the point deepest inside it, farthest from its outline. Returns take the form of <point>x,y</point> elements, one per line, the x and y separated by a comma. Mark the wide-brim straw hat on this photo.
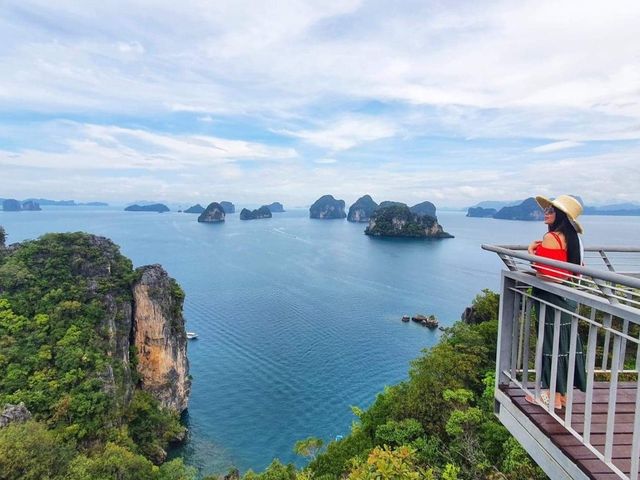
<point>566,204</point>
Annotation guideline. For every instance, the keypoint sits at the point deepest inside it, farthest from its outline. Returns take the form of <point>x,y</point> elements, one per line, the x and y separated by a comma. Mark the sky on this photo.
<point>452,101</point>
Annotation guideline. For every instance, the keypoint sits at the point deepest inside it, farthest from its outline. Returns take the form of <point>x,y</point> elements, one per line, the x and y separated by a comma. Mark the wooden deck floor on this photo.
<point>570,445</point>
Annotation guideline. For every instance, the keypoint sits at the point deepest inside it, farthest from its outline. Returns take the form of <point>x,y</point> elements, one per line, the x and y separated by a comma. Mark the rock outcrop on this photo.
<point>424,208</point>
<point>479,212</point>
<point>390,203</point>
<point>31,205</point>
<point>362,209</point>
<point>147,315</point>
<point>262,212</point>
<point>11,205</point>
<point>399,221</point>
<point>527,210</point>
<point>155,207</point>
<point>14,414</point>
<point>214,213</point>
<point>228,207</point>
<point>160,337</point>
<point>275,207</point>
<point>327,208</point>
<point>197,208</point>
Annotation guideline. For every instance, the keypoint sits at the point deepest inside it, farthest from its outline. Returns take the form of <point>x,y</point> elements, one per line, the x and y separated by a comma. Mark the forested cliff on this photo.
<point>96,351</point>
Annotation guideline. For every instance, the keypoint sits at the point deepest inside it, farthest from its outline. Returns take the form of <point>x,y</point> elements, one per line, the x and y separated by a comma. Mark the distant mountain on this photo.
<point>424,208</point>
<point>479,212</point>
<point>228,207</point>
<point>497,204</point>
<point>262,212</point>
<point>214,213</point>
<point>326,208</point>
<point>47,202</point>
<point>61,203</point>
<point>527,210</point>
<point>620,209</point>
<point>362,209</point>
<point>156,207</point>
<point>197,208</point>
<point>617,207</point>
<point>275,207</point>
<point>12,205</point>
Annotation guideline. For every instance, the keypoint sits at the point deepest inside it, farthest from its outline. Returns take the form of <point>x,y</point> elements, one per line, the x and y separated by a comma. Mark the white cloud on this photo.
<point>555,146</point>
<point>342,79</point>
<point>131,47</point>
<point>89,146</point>
<point>345,133</point>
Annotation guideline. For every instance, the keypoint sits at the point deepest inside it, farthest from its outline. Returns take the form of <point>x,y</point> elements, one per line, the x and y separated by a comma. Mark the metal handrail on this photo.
<point>615,278</point>
<point>611,300</point>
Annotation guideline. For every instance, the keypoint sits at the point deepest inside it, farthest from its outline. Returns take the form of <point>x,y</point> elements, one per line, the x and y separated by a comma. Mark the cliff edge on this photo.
<point>160,338</point>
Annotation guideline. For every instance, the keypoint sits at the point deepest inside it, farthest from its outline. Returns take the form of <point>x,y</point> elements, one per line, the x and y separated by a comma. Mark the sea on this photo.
<point>298,319</point>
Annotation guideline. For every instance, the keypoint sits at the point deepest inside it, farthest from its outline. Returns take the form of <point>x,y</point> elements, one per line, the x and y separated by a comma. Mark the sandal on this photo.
<point>544,399</point>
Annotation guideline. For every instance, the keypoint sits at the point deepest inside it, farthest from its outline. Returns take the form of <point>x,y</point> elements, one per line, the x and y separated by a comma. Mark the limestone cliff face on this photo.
<point>214,213</point>
<point>160,338</point>
<point>326,208</point>
<point>362,209</point>
<point>399,221</point>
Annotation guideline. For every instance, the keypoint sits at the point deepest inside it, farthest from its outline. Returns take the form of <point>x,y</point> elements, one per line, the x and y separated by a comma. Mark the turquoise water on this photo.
<point>299,319</point>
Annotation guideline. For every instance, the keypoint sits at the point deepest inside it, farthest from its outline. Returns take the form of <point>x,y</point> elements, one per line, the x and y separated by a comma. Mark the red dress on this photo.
<point>559,254</point>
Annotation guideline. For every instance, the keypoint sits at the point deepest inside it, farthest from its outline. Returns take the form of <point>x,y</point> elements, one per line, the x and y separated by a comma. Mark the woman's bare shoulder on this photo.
<point>550,240</point>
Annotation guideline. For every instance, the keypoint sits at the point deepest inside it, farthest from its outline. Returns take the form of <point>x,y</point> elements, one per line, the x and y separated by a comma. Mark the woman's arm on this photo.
<point>533,245</point>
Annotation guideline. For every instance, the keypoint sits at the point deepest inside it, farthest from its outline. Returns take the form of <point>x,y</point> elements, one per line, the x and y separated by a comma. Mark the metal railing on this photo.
<point>595,306</point>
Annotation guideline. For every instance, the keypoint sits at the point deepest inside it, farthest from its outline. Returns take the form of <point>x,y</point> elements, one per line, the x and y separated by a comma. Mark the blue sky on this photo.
<point>453,102</point>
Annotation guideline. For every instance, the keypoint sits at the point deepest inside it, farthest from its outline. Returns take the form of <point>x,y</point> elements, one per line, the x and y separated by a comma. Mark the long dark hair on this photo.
<point>562,225</point>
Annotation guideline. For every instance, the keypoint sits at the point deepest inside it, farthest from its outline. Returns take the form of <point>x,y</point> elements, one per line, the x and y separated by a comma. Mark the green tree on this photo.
<point>28,451</point>
<point>151,427</point>
<point>3,236</point>
<point>384,463</point>
<point>176,470</point>
<point>394,433</point>
<point>114,462</point>
<point>309,447</point>
<point>275,471</point>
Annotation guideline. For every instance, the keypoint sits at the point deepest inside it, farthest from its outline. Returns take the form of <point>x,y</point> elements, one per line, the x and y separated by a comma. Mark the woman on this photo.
<point>561,243</point>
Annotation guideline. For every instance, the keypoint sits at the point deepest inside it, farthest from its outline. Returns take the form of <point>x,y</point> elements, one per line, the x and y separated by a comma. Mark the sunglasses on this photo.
<point>549,211</point>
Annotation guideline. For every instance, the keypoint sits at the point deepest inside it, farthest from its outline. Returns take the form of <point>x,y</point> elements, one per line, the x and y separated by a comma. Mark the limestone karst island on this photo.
<point>93,360</point>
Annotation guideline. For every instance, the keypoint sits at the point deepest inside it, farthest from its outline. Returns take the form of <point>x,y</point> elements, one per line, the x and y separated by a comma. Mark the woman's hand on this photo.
<point>533,246</point>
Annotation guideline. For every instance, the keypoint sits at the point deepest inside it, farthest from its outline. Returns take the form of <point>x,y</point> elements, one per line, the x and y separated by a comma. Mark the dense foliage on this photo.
<point>397,220</point>
<point>439,424</point>
<point>61,297</point>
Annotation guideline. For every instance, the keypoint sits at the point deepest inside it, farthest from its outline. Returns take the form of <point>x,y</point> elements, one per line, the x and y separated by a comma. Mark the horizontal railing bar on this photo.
<point>581,317</point>
<point>618,310</point>
<point>592,272</point>
<point>617,249</point>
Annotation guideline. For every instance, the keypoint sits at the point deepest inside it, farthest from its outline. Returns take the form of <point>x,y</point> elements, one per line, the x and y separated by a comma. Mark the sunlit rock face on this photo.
<point>214,213</point>
<point>362,209</point>
<point>160,337</point>
<point>327,208</point>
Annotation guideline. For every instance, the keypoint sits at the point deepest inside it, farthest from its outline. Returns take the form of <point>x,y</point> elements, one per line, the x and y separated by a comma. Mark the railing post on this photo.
<point>505,329</point>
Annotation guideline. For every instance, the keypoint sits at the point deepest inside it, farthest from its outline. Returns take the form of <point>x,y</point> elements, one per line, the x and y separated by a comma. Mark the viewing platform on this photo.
<point>596,435</point>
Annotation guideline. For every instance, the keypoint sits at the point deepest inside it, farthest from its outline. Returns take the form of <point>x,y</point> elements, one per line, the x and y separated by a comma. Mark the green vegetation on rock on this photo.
<point>63,316</point>
<point>397,220</point>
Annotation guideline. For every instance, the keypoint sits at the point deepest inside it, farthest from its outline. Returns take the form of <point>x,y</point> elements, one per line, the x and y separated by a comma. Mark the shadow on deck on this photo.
<point>570,446</point>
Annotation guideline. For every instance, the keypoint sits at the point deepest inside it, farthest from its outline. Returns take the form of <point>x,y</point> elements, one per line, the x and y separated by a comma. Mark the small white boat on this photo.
<point>192,335</point>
